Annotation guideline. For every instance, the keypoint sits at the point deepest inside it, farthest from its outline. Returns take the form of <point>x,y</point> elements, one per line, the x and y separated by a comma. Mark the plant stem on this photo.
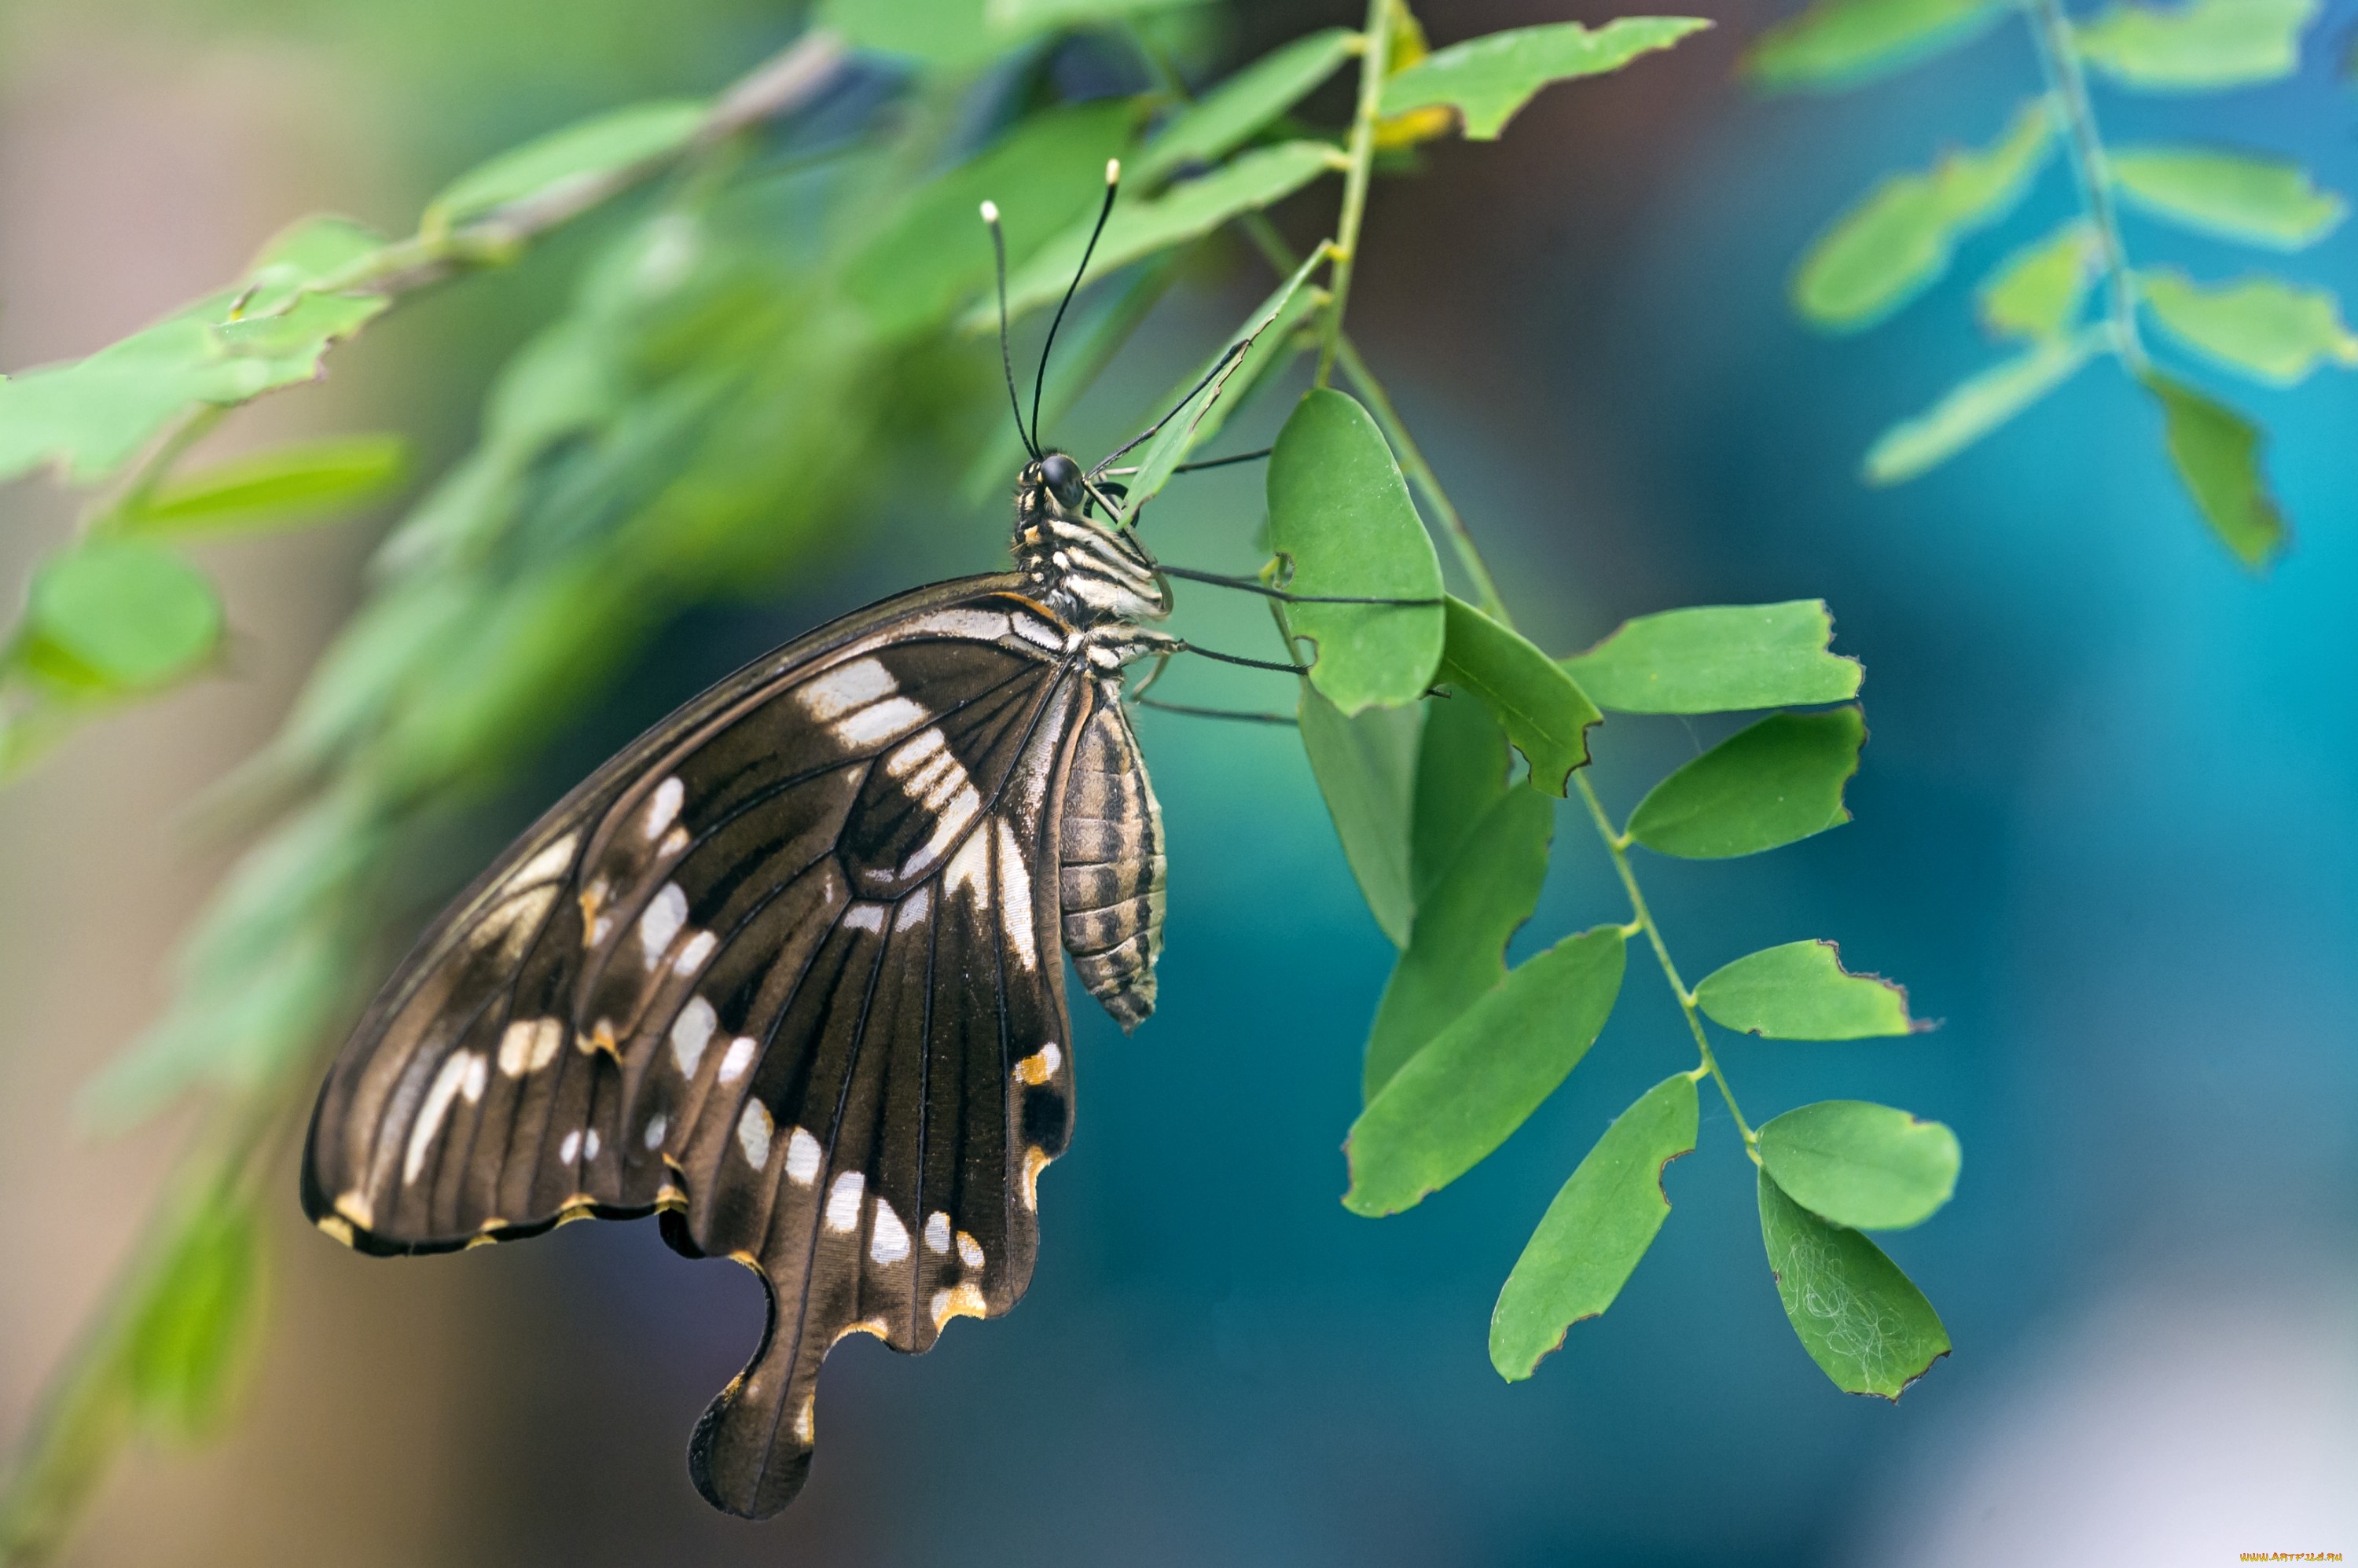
<point>787,81</point>
<point>1375,54</point>
<point>1617,843</point>
<point>2059,57</point>
<point>1281,256</point>
<point>1420,473</point>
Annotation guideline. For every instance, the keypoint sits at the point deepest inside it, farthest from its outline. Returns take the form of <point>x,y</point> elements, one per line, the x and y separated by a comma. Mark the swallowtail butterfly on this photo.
<point>786,972</point>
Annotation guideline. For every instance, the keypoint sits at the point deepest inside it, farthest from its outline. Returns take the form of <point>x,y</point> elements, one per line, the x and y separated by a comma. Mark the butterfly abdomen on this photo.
<point>1111,880</point>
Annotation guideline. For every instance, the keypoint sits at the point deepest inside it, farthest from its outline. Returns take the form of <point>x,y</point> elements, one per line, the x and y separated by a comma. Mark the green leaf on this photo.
<point>1192,422</point>
<point>1545,713</point>
<point>948,35</point>
<point>1461,773</point>
<point>1780,781</point>
<point>1897,239</point>
<point>1366,768</point>
<point>1863,1322</point>
<point>1800,991</point>
<point>2217,454</point>
<point>2036,292</point>
<point>581,153</point>
<point>2272,330</point>
<point>1839,43</point>
<point>1457,949</point>
<point>1972,408</point>
<point>935,254</point>
<point>1025,14</point>
<point>1488,79</point>
<point>1593,1234</point>
<point>1462,1095</point>
<point>119,615</point>
<point>1339,509</point>
<point>2198,46</point>
<point>957,35</point>
<point>2260,200</point>
<point>1185,212</point>
<point>273,489</point>
<point>92,416</point>
<point>197,1322</point>
<point>1720,658</point>
<point>1867,1166</point>
<point>305,254</point>
<point>1234,113</point>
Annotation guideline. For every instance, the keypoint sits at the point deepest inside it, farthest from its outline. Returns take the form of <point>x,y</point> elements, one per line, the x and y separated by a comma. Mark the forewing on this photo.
<point>779,969</point>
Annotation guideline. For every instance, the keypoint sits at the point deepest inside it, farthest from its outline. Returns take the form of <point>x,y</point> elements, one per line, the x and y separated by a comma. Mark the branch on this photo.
<point>1373,57</point>
<point>2059,57</point>
<point>787,81</point>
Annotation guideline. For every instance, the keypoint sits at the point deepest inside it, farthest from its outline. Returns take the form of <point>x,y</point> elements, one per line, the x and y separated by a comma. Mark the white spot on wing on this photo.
<point>665,914</point>
<point>969,872</point>
<point>843,1200</point>
<point>421,1132</point>
<point>962,1301</point>
<point>478,1074</point>
<point>804,1425</point>
<point>888,1238</point>
<point>846,686</point>
<point>1038,632</point>
<point>589,1146</point>
<point>879,722</point>
<point>753,1128</point>
<point>1041,1066</point>
<point>690,1032</point>
<point>1015,888</point>
<point>657,1129</point>
<point>739,1058</point>
<point>662,807</point>
<point>913,910</point>
<point>803,1155</point>
<point>547,866</point>
<point>548,1035</point>
<point>566,1151</point>
<point>864,917</point>
<point>969,1251</point>
<point>932,776</point>
<point>937,1232</point>
<point>983,625</point>
<point>691,956</point>
<point>516,1046</point>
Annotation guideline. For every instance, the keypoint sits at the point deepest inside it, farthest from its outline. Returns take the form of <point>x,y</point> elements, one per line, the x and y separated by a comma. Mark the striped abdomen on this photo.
<point>1113,877</point>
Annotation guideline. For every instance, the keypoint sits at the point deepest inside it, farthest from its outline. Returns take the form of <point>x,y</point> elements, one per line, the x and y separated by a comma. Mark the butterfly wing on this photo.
<point>786,969</point>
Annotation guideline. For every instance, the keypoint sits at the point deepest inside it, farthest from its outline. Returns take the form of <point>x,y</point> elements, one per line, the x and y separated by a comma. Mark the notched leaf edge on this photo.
<point>1587,1317</point>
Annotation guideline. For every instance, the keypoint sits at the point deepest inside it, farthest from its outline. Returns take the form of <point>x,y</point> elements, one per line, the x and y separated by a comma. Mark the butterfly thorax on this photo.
<point>1093,575</point>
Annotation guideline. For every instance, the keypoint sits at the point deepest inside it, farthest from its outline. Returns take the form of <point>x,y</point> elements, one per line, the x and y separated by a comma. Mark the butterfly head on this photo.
<point>1089,569</point>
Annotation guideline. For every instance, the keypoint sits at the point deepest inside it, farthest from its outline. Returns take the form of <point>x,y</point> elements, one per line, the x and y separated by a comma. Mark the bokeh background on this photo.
<point>2104,832</point>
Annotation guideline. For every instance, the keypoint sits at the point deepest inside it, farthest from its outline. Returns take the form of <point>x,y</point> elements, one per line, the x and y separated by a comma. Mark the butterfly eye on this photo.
<point>1062,475</point>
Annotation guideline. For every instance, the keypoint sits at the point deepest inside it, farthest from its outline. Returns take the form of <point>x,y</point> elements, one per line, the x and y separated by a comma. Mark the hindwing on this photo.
<point>786,969</point>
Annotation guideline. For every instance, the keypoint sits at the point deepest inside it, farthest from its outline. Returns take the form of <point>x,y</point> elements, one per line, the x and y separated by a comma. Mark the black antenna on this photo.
<point>1113,184</point>
<point>1006,358</point>
<point>1235,351</point>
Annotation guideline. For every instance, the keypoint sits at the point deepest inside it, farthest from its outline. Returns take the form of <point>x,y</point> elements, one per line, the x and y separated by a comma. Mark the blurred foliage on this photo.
<point>779,311</point>
<point>2075,296</point>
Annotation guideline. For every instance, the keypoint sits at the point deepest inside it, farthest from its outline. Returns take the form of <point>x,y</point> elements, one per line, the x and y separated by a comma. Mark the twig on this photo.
<point>2059,57</point>
<point>1375,57</point>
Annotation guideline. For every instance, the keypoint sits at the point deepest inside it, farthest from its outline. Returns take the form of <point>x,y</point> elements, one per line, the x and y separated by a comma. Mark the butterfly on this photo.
<point>785,971</point>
